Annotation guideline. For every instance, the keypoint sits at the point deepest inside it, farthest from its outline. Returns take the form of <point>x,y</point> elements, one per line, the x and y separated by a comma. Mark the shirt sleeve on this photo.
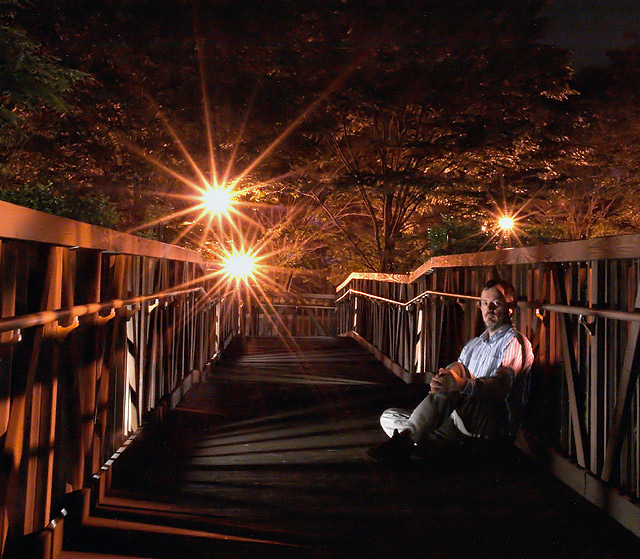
<point>463,354</point>
<point>517,360</point>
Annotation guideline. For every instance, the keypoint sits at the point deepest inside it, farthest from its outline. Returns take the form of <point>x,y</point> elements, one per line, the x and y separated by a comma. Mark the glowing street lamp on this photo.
<point>506,223</point>
<point>506,227</point>
<point>240,266</point>
<point>218,200</point>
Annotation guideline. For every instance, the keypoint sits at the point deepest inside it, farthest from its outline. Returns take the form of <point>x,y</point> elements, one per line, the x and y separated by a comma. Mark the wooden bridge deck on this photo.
<point>272,448</point>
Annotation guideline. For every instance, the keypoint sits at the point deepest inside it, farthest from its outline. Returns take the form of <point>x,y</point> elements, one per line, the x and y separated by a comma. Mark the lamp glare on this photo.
<point>218,200</point>
<point>506,223</point>
<point>239,266</point>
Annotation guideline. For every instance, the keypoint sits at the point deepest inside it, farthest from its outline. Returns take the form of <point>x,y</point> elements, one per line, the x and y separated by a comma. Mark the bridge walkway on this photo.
<point>270,451</point>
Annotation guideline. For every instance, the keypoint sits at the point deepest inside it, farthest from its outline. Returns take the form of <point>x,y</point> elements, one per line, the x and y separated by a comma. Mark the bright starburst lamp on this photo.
<point>240,266</point>
<point>218,200</point>
<point>506,223</point>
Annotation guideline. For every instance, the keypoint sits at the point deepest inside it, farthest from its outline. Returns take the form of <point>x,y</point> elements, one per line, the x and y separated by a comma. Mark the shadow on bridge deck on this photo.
<point>272,447</point>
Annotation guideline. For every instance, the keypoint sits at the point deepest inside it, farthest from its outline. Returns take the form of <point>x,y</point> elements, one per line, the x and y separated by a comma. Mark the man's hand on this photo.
<point>447,381</point>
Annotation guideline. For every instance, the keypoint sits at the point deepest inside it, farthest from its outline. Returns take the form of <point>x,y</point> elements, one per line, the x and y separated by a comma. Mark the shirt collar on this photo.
<point>489,339</point>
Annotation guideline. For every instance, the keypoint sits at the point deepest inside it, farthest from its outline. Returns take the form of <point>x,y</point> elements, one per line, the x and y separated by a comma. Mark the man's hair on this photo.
<point>507,290</point>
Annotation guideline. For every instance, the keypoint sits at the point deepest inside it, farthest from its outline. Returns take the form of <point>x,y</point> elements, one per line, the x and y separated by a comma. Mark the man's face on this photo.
<point>495,309</point>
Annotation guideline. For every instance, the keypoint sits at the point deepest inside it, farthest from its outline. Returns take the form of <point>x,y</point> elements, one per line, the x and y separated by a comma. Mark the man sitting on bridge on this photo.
<point>481,397</point>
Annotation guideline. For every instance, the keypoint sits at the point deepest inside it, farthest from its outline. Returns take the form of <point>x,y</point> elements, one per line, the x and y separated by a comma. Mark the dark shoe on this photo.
<point>398,447</point>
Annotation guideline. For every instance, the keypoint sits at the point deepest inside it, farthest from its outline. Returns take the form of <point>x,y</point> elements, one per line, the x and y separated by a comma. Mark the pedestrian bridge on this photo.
<point>146,413</point>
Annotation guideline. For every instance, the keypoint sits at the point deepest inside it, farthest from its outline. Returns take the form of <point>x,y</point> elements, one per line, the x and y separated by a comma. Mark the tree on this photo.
<point>31,79</point>
<point>593,184</point>
<point>53,145</point>
<point>380,136</point>
<point>445,105</point>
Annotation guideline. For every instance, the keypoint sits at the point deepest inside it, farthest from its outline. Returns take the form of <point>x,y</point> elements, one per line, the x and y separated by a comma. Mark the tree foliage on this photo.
<point>31,79</point>
<point>436,111</point>
<point>593,185</point>
<point>35,96</point>
<point>368,138</point>
<point>69,202</point>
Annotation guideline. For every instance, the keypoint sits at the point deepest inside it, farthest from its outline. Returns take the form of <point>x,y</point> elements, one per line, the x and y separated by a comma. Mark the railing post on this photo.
<point>569,361</point>
<point>89,268</point>
<point>356,317</point>
<point>596,372</point>
<point>218,327</point>
<point>418,359</point>
<point>117,377</point>
<point>628,379</point>
<point>42,397</point>
<point>10,429</point>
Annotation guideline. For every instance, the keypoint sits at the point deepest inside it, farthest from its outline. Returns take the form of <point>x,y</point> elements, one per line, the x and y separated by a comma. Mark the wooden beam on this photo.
<point>596,369</point>
<point>43,400</point>
<point>30,225</point>
<point>628,378</point>
<point>602,248</point>
<point>569,361</point>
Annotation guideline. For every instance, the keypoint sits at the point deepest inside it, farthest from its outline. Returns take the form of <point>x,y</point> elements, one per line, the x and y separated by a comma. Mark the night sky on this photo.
<point>592,27</point>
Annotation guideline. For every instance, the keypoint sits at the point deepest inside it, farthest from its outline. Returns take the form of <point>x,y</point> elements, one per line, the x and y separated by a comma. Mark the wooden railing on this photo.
<point>580,307</point>
<point>291,315</point>
<point>97,331</point>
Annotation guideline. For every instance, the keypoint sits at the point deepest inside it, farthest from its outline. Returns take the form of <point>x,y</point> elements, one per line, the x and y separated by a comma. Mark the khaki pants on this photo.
<point>432,421</point>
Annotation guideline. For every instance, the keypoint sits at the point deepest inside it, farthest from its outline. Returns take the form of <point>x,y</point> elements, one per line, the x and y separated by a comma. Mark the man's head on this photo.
<point>497,303</point>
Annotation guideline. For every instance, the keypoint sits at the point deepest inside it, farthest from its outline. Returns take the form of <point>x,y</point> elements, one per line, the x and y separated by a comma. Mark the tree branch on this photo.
<point>342,230</point>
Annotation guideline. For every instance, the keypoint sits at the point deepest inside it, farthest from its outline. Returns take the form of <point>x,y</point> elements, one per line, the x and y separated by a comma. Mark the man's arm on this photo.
<point>517,359</point>
<point>450,379</point>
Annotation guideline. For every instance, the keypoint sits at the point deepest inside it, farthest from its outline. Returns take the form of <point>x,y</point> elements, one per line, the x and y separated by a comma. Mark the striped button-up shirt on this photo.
<point>498,365</point>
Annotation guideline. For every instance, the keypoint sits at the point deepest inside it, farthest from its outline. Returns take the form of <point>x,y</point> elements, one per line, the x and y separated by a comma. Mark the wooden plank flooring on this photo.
<point>273,447</point>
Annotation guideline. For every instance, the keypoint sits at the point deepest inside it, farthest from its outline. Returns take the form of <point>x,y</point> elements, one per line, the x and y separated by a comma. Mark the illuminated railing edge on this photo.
<point>629,316</point>
<point>24,224</point>
<point>600,248</point>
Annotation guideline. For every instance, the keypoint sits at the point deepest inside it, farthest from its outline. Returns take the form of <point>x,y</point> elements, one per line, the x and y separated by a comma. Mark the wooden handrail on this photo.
<point>628,316</point>
<point>24,224</point>
<point>602,248</point>
<point>46,317</point>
